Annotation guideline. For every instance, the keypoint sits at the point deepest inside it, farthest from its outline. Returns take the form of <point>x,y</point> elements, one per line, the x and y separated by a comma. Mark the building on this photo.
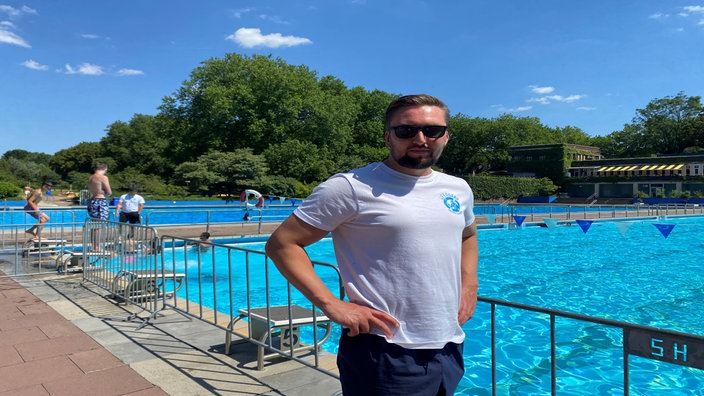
<point>548,160</point>
<point>582,172</point>
<point>656,176</point>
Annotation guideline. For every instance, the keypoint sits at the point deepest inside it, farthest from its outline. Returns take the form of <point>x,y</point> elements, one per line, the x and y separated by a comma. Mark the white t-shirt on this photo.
<point>398,244</point>
<point>131,204</point>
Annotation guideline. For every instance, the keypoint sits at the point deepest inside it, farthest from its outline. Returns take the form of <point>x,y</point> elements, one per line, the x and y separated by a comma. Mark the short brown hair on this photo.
<point>413,101</point>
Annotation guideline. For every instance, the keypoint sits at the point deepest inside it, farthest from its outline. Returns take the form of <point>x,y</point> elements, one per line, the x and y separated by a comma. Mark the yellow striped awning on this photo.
<point>678,167</point>
<point>618,168</point>
<point>645,167</point>
<point>603,168</point>
<point>609,169</point>
<point>632,168</point>
<point>661,167</point>
<point>669,167</point>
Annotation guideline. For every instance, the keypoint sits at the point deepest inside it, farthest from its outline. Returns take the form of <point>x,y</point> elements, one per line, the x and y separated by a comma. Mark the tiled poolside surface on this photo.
<point>58,337</point>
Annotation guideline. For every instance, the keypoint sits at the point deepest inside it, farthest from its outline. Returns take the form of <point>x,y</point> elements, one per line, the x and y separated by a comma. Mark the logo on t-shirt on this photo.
<point>451,202</point>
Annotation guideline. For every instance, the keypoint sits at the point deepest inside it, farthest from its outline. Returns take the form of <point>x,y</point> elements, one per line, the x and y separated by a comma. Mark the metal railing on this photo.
<point>648,342</point>
<point>124,260</point>
<point>242,281</point>
<point>572,212</point>
<point>24,254</point>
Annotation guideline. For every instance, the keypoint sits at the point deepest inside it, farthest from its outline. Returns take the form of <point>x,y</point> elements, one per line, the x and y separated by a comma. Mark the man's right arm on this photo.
<point>286,248</point>
<point>106,186</point>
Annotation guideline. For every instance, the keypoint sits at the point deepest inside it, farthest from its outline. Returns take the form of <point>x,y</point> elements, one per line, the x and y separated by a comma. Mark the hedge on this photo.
<point>494,187</point>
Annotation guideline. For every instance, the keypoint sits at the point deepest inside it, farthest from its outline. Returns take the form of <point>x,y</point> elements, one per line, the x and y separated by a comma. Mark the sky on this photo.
<point>70,68</point>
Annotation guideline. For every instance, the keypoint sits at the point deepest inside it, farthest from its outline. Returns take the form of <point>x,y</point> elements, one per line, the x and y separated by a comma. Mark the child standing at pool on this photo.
<point>32,208</point>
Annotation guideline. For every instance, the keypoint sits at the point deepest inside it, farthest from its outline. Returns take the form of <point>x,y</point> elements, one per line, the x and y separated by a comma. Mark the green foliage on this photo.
<point>669,125</point>
<point>9,190</point>
<point>219,172</point>
<point>137,145</point>
<point>303,190</point>
<point>494,187</point>
<point>278,186</point>
<point>79,158</point>
<point>29,168</point>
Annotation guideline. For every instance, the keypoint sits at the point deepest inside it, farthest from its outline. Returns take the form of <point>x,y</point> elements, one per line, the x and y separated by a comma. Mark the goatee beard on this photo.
<point>416,163</point>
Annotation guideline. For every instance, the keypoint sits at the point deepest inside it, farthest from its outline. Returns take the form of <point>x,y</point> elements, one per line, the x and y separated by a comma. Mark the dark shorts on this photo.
<point>37,214</point>
<point>98,209</point>
<point>132,218</point>
<point>371,366</point>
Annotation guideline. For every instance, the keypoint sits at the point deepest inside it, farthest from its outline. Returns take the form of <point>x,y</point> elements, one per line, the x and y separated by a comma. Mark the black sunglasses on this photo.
<point>410,131</point>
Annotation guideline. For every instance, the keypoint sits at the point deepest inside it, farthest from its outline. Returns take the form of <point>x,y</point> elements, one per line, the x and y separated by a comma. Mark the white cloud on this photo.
<point>542,100</point>
<point>129,72</point>
<point>694,9</point>
<point>15,12</point>
<point>659,15</point>
<point>90,36</point>
<point>541,90</point>
<point>584,108</point>
<point>505,109</point>
<point>84,68</point>
<point>7,37</point>
<point>555,98</point>
<point>273,18</point>
<point>34,65</point>
<point>251,37</point>
<point>519,109</point>
<point>238,13</point>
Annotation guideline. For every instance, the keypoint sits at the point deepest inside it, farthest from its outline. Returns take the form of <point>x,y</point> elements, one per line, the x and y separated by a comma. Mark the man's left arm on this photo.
<point>470,282</point>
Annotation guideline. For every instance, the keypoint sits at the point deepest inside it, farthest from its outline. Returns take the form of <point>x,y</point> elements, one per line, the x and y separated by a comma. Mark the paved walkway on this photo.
<point>59,337</point>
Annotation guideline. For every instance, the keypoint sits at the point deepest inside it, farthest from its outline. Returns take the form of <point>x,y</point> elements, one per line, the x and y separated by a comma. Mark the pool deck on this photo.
<point>59,337</point>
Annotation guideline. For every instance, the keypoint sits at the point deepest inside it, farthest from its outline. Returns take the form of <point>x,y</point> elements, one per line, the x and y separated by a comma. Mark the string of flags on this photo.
<point>664,228</point>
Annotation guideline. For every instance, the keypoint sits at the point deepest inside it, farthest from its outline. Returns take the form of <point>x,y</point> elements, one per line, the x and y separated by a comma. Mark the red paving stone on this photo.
<point>43,354</point>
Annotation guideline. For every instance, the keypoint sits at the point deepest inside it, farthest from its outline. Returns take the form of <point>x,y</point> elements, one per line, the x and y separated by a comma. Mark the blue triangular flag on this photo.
<point>665,229</point>
<point>519,220</point>
<point>584,224</point>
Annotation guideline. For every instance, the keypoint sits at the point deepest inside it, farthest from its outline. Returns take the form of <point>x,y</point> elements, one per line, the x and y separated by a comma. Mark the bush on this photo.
<point>9,190</point>
<point>494,187</point>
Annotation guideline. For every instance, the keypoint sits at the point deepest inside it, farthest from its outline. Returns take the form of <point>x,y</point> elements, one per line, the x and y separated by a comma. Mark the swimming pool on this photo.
<point>634,275</point>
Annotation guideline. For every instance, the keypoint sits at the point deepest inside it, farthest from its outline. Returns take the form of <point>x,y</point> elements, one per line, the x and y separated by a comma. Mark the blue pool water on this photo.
<point>201,212</point>
<point>635,275</point>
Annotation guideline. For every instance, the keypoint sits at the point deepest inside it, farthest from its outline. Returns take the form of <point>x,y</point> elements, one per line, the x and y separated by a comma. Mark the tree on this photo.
<point>238,102</point>
<point>79,158</point>
<point>137,145</point>
<point>298,159</point>
<point>221,172</point>
<point>671,124</point>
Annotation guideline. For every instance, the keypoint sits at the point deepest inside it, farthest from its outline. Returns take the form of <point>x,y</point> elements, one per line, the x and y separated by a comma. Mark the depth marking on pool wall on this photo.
<point>682,350</point>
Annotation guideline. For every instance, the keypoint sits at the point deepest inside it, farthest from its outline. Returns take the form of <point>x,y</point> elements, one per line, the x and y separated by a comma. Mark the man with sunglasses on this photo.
<point>405,242</point>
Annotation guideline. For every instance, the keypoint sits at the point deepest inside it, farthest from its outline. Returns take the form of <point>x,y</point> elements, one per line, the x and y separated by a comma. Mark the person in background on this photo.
<point>411,280</point>
<point>32,208</point>
<point>129,207</point>
<point>204,241</point>
<point>99,187</point>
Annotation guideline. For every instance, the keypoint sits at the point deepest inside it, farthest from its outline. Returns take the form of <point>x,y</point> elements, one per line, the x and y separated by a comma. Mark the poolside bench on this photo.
<point>276,322</point>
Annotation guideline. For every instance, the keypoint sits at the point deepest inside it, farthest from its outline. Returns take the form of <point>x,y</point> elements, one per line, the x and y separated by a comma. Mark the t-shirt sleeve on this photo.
<point>469,216</point>
<point>330,204</point>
